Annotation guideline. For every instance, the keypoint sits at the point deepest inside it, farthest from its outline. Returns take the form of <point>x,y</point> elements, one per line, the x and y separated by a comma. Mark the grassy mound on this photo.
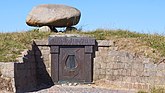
<point>12,44</point>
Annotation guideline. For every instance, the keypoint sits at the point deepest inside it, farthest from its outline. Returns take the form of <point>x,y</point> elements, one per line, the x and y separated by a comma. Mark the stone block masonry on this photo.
<point>126,70</point>
<point>119,68</point>
<point>19,76</point>
<point>7,76</point>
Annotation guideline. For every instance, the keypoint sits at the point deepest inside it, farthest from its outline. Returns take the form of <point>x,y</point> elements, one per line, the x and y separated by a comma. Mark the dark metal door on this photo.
<point>71,63</point>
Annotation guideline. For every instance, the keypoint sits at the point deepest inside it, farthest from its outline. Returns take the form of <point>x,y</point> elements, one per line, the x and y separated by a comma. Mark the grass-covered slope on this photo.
<point>11,44</point>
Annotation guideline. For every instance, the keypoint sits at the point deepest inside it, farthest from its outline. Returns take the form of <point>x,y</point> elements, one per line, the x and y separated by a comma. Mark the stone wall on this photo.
<point>20,76</point>
<point>7,76</point>
<point>42,51</point>
<point>43,63</point>
<point>119,68</point>
<point>25,74</point>
<point>127,70</point>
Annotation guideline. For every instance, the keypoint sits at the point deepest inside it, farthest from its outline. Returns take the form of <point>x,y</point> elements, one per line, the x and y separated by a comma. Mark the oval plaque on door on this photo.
<point>71,62</point>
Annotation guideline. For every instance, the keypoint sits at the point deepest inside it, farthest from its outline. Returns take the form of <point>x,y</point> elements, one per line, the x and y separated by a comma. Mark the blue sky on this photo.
<point>146,16</point>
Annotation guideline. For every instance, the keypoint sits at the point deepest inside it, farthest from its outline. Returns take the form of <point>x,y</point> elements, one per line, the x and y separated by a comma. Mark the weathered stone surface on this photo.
<point>125,67</point>
<point>41,42</point>
<point>107,43</point>
<point>7,76</point>
<point>7,69</point>
<point>44,29</point>
<point>53,15</point>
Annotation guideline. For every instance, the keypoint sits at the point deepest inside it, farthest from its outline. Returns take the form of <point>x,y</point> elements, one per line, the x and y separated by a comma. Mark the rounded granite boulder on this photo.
<point>53,15</point>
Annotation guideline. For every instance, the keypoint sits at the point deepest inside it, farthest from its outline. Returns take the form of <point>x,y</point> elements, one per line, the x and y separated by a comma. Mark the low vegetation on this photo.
<point>154,90</point>
<point>12,44</point>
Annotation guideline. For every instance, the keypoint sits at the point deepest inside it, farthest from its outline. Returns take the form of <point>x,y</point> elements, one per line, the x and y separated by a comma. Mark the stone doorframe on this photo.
<point>89,51</point>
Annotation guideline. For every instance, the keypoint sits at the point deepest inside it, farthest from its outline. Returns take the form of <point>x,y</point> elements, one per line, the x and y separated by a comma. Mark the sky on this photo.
<point>144,16</point>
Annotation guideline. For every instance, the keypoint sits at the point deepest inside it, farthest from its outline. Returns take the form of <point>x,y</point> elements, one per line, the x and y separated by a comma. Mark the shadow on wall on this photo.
<point>93,56</point>
<point>31,74</point>
<point>43,78</point>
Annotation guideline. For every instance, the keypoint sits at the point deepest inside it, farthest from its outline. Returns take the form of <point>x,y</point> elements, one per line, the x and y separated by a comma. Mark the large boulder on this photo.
<point>53,15</point>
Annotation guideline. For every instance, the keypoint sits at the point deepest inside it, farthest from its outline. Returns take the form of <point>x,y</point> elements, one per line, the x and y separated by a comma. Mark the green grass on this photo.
<point>153,40</point>
<point>154,90</point>
<point>11,44</point>
<point>142,92</point>
<point>157,90</point>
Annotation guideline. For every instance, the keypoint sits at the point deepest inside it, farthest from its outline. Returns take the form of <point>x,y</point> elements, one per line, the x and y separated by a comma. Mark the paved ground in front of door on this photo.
<point>81,89</point>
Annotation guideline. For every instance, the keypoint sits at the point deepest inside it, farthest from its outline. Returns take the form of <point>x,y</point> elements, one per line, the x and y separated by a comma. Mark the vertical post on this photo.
<point>54,50</point>
<point>88,64</point>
